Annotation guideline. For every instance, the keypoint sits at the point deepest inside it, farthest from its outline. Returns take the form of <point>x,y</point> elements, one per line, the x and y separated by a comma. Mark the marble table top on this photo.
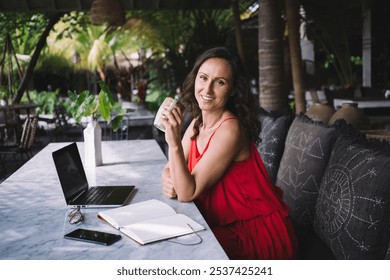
<point>34,218</point>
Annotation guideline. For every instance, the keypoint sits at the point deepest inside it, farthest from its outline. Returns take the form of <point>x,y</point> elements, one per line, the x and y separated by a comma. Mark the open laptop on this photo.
<point>75,186</point>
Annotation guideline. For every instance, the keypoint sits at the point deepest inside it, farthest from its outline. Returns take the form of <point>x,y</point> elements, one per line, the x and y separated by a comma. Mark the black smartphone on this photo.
<point>93,236</point>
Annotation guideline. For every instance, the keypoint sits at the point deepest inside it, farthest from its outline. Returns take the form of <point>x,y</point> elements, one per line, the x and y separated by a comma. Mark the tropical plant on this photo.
<point>89,105</point>
<point>333,25</point>
<point>48,100</point>
<point>177,37</point>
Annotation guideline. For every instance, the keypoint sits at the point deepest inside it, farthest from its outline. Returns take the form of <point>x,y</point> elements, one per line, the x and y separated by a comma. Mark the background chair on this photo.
<point>59,127</point>
<point>23,149</point>
<point>10,126</point>
<point>121,134</point>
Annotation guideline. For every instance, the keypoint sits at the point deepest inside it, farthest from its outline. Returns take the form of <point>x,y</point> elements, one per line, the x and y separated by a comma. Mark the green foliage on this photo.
<point>156,97</point>
<point>356,60</point>
<point>176,37</point>
<point>167,41</point>
<point>88,105</point>
<point>47,100</point>
<point>332,25</point>
<point>23,28</point>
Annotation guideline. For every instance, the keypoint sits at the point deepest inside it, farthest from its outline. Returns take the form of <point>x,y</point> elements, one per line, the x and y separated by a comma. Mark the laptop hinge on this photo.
<point>77,196</point>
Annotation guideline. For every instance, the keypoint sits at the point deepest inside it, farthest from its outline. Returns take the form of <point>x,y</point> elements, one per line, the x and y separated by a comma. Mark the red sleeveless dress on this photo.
<point>245,210</point>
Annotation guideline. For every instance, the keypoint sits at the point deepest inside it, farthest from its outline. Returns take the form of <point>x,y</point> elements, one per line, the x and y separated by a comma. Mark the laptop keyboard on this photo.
<point>96,195</point>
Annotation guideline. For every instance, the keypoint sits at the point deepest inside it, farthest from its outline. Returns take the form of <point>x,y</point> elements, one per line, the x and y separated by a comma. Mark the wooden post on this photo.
<point>292,11</point>
<point>238,32</point>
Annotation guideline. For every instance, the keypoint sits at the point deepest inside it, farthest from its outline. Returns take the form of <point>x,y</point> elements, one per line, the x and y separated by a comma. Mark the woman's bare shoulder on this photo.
<point>232,125</point>
<point>233,130</point>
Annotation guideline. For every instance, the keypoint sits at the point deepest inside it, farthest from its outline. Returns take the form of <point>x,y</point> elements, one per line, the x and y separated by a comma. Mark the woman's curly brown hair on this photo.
<point>241,102</point>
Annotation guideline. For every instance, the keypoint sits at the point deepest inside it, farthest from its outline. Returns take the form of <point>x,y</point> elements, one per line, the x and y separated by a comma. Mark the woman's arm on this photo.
<point>224,147</point>
<point>168,185</point>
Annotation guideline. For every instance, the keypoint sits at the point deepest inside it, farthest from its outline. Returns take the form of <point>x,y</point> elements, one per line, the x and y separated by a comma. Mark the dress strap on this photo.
<point>208,142</point>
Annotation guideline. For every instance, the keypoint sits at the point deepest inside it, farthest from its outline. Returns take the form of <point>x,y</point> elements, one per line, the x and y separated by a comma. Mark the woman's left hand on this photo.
<point>173,122</point>
<point>168,189</point>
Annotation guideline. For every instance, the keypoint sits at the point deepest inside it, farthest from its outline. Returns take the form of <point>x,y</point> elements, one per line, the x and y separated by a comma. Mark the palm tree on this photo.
<point>273,95</point>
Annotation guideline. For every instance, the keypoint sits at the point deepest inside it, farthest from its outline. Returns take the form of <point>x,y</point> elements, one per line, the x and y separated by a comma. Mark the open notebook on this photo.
<point>149,221</point>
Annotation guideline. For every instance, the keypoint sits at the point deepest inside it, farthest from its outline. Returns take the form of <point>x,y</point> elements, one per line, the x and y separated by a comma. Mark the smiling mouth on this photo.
<point>207,98</point>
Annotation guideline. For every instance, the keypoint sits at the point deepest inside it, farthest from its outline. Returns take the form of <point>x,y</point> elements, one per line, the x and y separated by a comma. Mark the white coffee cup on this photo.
<point>157,121</point>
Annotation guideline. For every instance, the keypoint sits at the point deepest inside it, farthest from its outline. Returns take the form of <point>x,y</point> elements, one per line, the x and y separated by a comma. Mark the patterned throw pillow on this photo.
<point>274,128</point>
<point>353,208</point>
<point>305,157</point>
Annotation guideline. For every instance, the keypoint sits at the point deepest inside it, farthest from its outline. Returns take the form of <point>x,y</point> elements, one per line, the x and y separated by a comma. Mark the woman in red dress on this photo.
<point>216,163</point>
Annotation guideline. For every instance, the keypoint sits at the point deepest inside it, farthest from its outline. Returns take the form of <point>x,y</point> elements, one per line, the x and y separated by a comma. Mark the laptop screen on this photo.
<point>70,171</point>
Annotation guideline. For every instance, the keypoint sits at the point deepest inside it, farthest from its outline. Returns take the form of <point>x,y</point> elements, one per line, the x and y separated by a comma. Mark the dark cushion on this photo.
<point>311,247</point>
<point>387,257</point>
<point>353,208</point>
<point>274,128</point>
<point>307,150</point>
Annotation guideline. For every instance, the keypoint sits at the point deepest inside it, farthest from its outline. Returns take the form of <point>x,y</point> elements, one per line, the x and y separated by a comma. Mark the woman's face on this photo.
<point>213,84</point>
